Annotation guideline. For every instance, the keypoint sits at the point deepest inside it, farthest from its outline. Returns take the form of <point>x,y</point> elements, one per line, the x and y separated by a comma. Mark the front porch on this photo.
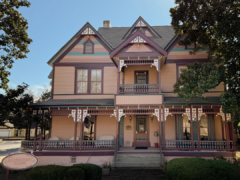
<point>180,129</point>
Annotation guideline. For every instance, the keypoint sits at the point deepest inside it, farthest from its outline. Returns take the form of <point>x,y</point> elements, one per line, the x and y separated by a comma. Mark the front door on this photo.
<point>141,132</point>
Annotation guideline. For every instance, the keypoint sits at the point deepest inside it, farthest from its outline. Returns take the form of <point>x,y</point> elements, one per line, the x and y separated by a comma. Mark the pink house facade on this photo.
<point>112,94</point>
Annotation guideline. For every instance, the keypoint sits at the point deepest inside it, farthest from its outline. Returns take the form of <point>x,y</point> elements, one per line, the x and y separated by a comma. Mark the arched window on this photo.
<point>88,47</point>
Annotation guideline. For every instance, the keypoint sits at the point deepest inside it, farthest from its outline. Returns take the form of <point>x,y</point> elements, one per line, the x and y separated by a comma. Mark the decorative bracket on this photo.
<point>221,114</point>
<point>73,114</point>
<point>166,113</point>
<point>79,115</point>
<point>138,40</point>
<point>156,113</point>
<point>228,116</point>
<point>85,114</point>
<point>155,63</point>
<point>200,113</point>
<point>114,114</point>
<point>88,31</point>
<point>194,114</point>
<point>120,114</point>
<point>121,64</point>
<point>187,112</point>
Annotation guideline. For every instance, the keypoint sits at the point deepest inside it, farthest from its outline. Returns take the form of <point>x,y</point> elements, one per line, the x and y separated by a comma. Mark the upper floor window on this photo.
<point>190,46</point>
<point>88,47</point>
<point>96,80</point>
<point>82,80</point>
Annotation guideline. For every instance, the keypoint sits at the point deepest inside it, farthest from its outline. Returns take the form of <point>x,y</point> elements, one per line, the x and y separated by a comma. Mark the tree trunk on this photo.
<point>44,135</point>
<point>26,133</point>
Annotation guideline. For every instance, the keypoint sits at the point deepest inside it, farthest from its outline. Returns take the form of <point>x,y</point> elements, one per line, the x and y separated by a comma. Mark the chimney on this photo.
<point>106,24</point>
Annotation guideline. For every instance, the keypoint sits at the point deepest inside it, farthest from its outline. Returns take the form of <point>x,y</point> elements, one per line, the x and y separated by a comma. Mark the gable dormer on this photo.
<point>144,27</point>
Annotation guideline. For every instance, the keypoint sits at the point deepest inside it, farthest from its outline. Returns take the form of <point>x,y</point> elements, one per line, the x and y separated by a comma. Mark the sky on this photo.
<point>53,22</point>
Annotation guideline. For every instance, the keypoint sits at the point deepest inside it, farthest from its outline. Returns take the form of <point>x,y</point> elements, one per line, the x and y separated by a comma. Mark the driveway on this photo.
<point>9,146</point>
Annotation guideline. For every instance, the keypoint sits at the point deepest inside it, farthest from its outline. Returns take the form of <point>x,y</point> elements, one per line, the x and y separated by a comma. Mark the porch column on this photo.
<point>35,137</point>
<point>227,134</point>
<point>75,130</point>
<point>191,128</point>
<point>81,136</point>
<point>40,143</point>
<point>233,136</point>
<point>164,141</point>
<point>117,138</point>
<point>118,77</point>
<point>159,77</point>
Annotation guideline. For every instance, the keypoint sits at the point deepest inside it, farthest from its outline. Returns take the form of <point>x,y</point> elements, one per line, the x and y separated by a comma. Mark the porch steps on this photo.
<point>139,160</point>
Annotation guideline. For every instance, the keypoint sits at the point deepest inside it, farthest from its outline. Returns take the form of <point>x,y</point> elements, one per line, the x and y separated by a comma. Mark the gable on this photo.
<point>76,53</point>
<point>142,25</point>
<point>71,51</point>
<point>139,48</point>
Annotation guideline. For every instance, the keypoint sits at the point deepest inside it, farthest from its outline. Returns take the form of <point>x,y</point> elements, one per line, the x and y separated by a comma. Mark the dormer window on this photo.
<point>88,47</point>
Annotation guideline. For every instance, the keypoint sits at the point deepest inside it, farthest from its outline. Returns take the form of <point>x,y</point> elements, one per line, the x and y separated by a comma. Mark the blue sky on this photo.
<point>53,22</point>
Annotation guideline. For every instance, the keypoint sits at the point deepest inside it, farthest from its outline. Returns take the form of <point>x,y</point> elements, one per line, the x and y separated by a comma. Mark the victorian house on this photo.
<point>112,97</point>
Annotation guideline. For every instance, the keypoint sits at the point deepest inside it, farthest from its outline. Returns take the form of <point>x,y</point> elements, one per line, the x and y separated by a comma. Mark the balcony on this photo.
<point>138,88</point>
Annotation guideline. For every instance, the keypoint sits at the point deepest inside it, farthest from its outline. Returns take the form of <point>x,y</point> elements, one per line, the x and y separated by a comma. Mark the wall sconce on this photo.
<point>152,118</point>
<point>130,118</point>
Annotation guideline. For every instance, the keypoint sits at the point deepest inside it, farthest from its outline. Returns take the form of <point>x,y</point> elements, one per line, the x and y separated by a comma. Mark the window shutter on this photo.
<point>88,48</point>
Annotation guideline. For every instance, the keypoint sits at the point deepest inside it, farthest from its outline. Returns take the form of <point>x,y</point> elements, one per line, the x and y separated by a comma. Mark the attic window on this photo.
<point>88,47</point>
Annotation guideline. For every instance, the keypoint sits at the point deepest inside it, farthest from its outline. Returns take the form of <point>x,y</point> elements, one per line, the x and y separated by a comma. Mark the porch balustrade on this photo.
<point>138,88</point>
<point>69,144</point>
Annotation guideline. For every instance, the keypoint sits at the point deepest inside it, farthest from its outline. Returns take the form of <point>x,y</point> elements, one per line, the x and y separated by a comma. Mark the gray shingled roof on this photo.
<point>176,100</point>
<point>76,102</point>
<point>114,35</point>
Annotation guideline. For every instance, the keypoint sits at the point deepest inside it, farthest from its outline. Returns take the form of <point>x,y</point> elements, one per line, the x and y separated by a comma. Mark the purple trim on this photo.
<point>147,39</point>
<point>184,61</point>
<point>53,81</point>
<point>103,44</point>
<point>110,153</point>
<point>86,65</point>
<point>84,46</point>
<point>174,43</point>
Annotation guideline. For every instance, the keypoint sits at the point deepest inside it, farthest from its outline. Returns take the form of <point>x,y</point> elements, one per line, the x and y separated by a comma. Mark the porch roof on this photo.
<point>74,102</point>
<point>198,101</point>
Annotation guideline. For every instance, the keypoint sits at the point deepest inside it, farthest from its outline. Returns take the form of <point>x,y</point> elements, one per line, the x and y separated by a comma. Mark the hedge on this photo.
<point>92,171</point>
<point>74,173</point>
<point>201,169</point>
<point>49,172</point>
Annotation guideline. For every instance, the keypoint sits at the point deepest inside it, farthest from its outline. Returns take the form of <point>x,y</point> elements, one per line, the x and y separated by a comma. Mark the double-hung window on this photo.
<point>96,80</point>
<point>89,81</point>
<point>82,81</point>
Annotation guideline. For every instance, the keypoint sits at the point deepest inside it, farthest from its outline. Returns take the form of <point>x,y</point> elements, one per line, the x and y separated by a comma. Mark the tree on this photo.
<point>45,95</point>
<point>14,39</point>
<point>213,24</point>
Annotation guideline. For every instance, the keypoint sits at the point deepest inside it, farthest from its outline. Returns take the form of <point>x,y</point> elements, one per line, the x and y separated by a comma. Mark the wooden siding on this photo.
<point>179,52</point>
<point>64,80</point>
<point>106,126</point>
<point>170,132</point>
<point>218,128</point>
<point>139,48</point>
<point>148,34</point>
<point>110,80</point>
<point>168,77</point>
<point>153,127</point>
<point>129,74</point>
<point>83,97</point>
<point>75,55</point>
<point>63,123</point>
<point>139,99</point>
<point>220,87</point>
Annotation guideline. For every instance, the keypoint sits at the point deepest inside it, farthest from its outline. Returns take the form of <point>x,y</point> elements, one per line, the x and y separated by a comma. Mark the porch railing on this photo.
<point>138,88</point>
<point>69,144</point>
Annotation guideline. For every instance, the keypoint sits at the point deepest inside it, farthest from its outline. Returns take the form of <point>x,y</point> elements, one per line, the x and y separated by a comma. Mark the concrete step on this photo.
<point>147,165</point>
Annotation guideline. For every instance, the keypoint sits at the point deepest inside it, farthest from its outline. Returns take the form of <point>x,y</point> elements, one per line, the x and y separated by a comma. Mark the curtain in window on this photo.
<point>82,80</point>
<point>96,81</point>
<point>204,128</point>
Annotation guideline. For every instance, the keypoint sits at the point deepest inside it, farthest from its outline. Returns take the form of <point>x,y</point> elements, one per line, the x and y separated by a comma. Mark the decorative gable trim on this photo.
<point>88,31</point>
<point>87,28</point>
<point>144,39</point>
<point>140,22</point>
<point>138,39</point>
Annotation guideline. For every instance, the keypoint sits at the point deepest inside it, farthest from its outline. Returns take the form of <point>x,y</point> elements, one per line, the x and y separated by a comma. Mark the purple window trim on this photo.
<point>84,46</point>
<point>89,81</point>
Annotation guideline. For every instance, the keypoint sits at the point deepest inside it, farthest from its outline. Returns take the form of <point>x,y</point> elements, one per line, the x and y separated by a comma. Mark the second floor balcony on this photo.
<point>138,88</point>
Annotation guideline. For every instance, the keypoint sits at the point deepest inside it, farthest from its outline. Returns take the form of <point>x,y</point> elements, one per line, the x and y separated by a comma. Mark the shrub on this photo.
<point>198,168</point>
<point>49,172</point>
<point>92,171</point>
<point>74,173</point>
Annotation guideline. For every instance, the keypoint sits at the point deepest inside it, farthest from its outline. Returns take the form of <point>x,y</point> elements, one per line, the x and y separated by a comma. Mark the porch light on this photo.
<point>130,118</point>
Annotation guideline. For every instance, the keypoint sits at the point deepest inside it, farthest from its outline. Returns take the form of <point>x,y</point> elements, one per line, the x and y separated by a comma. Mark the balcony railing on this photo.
<point>138,88</point>
<point>69,145</point>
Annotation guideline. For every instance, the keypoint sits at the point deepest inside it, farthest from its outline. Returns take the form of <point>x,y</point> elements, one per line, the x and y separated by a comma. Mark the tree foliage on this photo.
<point>213,24</point>
<point>14,39</point>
